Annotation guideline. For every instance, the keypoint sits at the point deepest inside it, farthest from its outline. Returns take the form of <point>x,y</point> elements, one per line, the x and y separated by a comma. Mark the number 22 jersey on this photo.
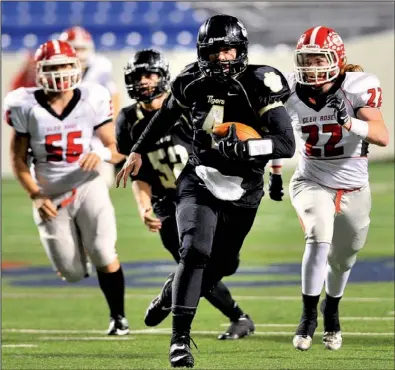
<point>58,141</point>
<point>329,154</point>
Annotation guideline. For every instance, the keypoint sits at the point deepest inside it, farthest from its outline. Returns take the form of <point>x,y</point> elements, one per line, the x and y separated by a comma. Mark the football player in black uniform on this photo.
<point>220,188</point>
<point>147,80</point>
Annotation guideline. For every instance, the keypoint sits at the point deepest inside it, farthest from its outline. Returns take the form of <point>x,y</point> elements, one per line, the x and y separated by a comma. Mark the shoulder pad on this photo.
<point>101,62</point>
<point>94,92</point>
<point>357,82</point>
<point>20,97</point>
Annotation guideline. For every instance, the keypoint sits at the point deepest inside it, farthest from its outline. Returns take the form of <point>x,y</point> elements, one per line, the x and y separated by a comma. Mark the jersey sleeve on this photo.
<point>365,90</point>
<point>123,137</point>
<point>178,92</point>
<point>13,111</point>
<point>103,104</point>
<point>273,90</point>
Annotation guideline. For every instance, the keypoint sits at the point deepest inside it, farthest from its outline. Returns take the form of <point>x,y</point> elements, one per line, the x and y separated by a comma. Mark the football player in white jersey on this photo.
<point>336,116</point>
<point>98,69</point>
<point>72,207</point>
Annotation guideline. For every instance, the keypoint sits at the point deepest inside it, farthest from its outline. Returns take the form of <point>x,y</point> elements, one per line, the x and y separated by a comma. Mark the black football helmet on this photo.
<point>222,31</point>
<point>146,61</point>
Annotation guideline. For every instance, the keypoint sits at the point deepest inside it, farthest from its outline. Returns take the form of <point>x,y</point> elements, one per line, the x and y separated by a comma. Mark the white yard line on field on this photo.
<point>21,345</point>
<point>167,331</point>
<point>115,338</point>
<point>23,295</point>
<point>342,319</point>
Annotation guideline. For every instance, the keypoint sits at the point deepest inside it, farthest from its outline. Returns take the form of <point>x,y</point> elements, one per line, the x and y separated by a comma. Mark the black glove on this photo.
<point>231,147</point>
<point>276,187</point>
<point>339,109</point>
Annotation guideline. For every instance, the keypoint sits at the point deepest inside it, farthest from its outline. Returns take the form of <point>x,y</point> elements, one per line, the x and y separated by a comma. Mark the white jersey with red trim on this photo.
<point>58,142</point>
<point>99,70</point>
<point>329,154</point>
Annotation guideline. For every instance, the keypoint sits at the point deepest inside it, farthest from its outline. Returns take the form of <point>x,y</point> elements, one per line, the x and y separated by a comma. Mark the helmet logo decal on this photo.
<point>243,30</point>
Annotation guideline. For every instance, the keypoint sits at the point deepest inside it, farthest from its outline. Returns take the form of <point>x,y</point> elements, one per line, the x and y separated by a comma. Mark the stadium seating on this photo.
<point>114,25</point>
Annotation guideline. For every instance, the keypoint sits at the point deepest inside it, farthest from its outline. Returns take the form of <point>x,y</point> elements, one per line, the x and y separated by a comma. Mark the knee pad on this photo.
<point>342,263</point>
<point>193,254</point>
<point>73,276</point>
<point>231,267</point>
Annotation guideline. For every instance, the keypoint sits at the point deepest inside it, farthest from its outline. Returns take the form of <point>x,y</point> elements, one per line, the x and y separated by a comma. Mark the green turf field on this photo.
<point>48,324</point>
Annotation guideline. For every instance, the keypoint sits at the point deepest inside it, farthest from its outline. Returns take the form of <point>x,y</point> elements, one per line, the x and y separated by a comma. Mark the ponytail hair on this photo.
<point>351,68</point>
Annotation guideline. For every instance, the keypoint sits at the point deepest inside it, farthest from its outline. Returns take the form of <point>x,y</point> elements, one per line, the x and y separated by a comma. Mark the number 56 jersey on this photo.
<point>329,154</point>
<point>58,141</point>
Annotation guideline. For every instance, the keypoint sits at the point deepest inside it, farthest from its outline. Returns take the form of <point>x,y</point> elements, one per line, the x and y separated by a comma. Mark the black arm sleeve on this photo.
<point>281,133</point>
<point>159,125</point>
<point>124,140</point>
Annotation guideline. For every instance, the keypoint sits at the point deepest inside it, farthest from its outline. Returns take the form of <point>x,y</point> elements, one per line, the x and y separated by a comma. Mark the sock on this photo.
<point>310,304</point>
<point>314,267</point>
<point>332,304</point>
<point>336,281</point>
<point>185,298</point>
<point>221,299</point>
<point>113,286</point>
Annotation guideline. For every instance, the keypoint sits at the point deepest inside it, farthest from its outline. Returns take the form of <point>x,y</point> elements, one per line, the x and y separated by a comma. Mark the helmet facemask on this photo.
<point>141,92</point>
<point>222,68</point>
<point>59,81</point>
<point>316,75</point>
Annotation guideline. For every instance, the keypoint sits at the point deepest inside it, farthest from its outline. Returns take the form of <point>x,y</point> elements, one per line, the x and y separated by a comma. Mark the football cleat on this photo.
<point>241,328</point>
<point>118,326</point>
<point>303,338</point>
<point>160,306</point>
<point>332,338</point>
<point>180,354</point>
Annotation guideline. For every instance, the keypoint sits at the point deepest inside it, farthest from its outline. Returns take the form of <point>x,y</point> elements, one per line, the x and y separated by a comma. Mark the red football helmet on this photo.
<point>57,53</point>
<point>81,40</point>
<point>321,41</point>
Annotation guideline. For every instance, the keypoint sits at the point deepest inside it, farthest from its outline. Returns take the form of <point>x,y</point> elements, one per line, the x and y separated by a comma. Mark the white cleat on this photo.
<point>302,342</point>
<point>118,326</point>
<point>332,340</point>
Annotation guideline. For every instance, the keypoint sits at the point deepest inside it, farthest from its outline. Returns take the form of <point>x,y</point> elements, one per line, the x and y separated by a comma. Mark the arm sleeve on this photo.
<point>159,125</point>
<point>273,93</point>
<point>123,136</point>
<point>281,132</point>
<point>146,172</point>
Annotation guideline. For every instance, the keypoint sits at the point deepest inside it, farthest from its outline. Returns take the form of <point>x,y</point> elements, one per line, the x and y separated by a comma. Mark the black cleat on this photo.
<point>118,326</point>
<point>303,338</point>
<point>332,338</point>
<point>241,328</point>
<point>180,354</point>
<point>160,306</point>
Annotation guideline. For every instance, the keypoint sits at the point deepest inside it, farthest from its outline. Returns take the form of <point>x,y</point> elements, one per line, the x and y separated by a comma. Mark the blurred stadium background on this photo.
<point>38,310</point>
<point>119,28</point>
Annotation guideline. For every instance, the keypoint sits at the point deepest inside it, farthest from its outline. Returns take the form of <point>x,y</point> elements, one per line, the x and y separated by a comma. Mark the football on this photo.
<point>243,131</point>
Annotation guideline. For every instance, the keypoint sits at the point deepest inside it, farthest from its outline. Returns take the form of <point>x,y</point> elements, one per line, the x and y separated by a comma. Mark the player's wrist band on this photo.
<point>259,147</point>
<point>359,127</point>
<point>103,153</point>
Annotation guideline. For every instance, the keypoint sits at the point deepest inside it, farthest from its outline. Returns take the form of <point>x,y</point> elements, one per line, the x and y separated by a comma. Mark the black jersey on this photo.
<point>165,159</point>
<point>254,98</point>
<point>212,101</point>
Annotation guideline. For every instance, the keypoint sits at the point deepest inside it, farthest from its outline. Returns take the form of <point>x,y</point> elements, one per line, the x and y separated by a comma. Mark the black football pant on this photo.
<point>212,233</point>
<point>219,295</point>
